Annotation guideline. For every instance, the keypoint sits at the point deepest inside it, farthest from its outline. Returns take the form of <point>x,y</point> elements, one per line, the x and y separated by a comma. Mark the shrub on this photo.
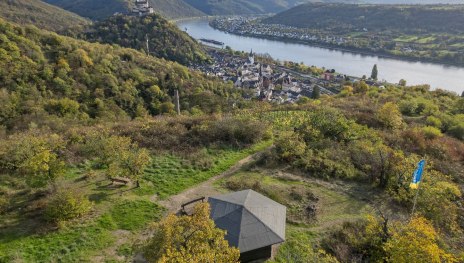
<point>434,121</point>
<point>66,205</point>
<point>457,131</point>
<point>408,107</point>
<point>290,146</point>
<point>3,204</point>
<point>431,132</point>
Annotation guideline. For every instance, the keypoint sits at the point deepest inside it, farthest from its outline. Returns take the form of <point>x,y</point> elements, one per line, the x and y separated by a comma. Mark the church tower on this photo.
<point>251,58</point>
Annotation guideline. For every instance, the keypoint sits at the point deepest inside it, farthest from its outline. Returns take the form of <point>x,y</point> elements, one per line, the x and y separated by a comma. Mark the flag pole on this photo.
<point>418,189</point>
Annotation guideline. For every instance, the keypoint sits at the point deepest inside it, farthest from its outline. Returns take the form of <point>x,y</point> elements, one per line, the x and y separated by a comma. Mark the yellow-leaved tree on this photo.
<point>389,116</point>
<point>416,241</point>
<point>189,239</point>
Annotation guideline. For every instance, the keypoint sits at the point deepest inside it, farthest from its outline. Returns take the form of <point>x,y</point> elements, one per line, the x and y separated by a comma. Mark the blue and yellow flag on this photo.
<point>417,176</point>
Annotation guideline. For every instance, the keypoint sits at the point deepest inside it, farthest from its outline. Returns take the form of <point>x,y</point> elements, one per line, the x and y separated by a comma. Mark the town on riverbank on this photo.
<point>261,77</point>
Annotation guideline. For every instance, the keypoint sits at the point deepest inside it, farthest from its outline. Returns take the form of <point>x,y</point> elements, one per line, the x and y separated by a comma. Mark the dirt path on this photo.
<point>204,189</point>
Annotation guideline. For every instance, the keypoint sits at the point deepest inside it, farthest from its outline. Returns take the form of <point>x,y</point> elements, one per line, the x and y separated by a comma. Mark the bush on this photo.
<point>3,204</point>
<point>290,146</point>
<point>66,205</point>
<point>457,131</point>
<point>431,132</point>
<point>408,107</point>
<point>434,121</point>
<point>231,131</point>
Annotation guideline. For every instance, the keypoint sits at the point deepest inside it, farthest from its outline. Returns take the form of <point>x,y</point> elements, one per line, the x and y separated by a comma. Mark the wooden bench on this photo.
<point>183,211</point>
<point>119,180</point>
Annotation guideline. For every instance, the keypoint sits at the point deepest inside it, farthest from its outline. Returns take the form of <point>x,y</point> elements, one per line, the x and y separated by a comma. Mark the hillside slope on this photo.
<point>165,39</point>
<point>45,73</point>
<point>39,14</point>
<point>228,7</point>
<point>102,9</point>
<point>412,18</point>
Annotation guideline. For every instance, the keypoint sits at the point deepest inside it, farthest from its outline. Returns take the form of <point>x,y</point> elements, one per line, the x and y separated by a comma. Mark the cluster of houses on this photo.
<point>263,81</point>
<point>247,26</point>
<point>142,8</point>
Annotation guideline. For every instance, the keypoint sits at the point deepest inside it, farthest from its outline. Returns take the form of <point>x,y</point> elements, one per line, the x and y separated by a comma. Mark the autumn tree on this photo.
<point>389,116</point>
<point>189,239</point>
<point>122,157</point>
<point>290,146</point>
<point>34,155</point>
<point>416,241</point>
<point>130,163</point>
<point>361,87</point>
<point>67,204</point>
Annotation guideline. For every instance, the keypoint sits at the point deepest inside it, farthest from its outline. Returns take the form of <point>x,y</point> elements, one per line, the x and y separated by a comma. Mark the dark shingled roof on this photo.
<point>251,220</point>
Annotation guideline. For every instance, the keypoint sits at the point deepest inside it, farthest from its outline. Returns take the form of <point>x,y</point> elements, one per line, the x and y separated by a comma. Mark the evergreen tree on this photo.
<point>375,72</point>
<point>462,94</point>
<point>316,93</point>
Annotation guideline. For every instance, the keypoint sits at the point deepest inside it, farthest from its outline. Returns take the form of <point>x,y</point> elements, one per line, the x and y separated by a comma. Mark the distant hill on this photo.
<point>165,39</point>
<point>101,9</point>
<point>421,2</point>
<point>39,14</point>
<point>227,7</point>
<point>405,18</point>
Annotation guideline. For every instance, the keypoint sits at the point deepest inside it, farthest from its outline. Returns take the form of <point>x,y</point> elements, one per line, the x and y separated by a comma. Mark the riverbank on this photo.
<point>352,50</point>
<point>391,70</point>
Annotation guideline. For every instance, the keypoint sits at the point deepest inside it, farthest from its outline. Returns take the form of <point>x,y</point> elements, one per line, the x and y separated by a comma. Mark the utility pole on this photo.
<point>148,46</point>
<point>177,102</point>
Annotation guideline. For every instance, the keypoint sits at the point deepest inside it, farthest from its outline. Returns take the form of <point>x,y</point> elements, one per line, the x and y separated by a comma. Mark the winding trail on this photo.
<point>205,189</point>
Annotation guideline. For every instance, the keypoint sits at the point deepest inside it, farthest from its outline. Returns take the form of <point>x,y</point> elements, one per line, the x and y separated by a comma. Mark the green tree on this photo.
<point>403,82</point>
<point>186,239</point>
<point>316,92</point>
<point>375,72</point>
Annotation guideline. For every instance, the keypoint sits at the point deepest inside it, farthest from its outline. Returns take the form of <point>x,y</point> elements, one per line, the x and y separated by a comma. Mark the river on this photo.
<point>392,70</point>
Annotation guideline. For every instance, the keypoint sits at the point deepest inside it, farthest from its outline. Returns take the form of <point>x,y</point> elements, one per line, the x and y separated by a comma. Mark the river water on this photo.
<point>392,70</point>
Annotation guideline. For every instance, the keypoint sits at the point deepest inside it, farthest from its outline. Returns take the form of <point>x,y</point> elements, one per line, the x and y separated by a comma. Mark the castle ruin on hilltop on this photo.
<point>142,8</point>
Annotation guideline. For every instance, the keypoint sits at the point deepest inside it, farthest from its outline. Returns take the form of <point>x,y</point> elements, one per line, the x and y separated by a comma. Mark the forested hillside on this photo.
<point>43,73</point>
<point>98,10</point>
<point>419,32</point>
<point>40,14</point>
<point>229,7</point>
<point>343,17</point>
<point>165,39</point>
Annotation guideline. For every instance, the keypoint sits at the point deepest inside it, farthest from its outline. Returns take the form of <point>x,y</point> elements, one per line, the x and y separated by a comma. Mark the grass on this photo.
<point>134,215</point>
<point>77,243</point>
<point>67,245</point>
<point>170,175</point>
<point>335,203</point>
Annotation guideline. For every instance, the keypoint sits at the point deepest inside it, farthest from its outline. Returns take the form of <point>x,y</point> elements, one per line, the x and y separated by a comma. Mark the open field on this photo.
<point>119,216</point>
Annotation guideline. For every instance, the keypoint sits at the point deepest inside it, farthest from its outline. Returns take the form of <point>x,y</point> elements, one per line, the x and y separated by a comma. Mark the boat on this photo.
<point>215,42</point>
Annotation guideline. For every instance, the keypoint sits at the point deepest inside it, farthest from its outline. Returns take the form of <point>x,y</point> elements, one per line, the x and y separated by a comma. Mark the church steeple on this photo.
<point>251,58</point>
